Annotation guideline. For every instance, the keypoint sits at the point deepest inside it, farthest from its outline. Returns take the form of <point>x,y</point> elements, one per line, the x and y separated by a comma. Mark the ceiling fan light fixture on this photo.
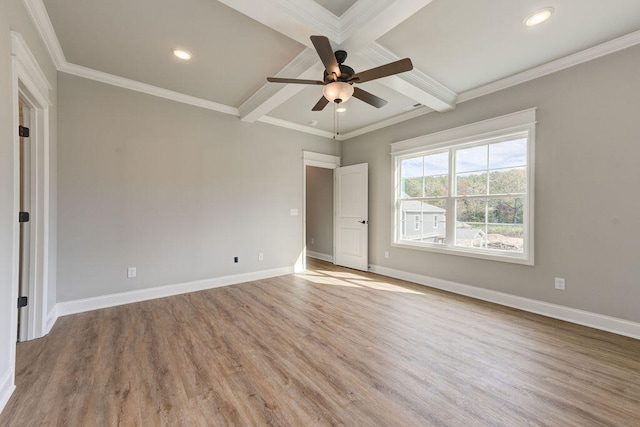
<point>337,92</point>
<point>185,55</point>
<point>538,17</point>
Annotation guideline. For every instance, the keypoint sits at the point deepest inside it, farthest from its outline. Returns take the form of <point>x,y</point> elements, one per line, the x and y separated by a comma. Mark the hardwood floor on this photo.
<point>331,346</point>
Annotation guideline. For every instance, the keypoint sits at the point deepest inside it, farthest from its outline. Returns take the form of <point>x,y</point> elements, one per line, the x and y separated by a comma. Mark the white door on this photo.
<point>351,187</point>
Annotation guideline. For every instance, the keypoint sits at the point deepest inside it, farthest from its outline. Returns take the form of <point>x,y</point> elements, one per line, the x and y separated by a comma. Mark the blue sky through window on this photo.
<point>502,155</point>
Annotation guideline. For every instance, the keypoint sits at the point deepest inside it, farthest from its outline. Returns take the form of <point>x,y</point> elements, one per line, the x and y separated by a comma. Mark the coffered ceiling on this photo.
<point>460,49</point>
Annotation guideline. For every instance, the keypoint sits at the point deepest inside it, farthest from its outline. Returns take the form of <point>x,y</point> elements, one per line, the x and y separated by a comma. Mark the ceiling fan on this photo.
<point>339,78</point>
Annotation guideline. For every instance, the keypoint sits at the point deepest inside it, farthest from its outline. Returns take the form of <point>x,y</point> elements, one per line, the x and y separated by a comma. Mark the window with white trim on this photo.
<point>474,184</point>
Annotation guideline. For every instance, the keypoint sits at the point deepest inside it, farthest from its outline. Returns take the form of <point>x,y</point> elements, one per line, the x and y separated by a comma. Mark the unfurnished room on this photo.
<point>319,212</point>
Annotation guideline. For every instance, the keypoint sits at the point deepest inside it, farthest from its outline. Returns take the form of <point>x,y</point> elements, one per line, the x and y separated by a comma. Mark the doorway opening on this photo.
<point>319,213</point>
<point>318,200</point>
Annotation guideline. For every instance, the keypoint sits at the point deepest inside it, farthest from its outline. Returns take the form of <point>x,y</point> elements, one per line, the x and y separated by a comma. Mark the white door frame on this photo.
<point>30,84</point>
<point>326,161</point>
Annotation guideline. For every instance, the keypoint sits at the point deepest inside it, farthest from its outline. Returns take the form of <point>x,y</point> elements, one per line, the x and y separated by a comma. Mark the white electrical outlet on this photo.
<point>560,285</point>
<point>312,241</point>
<point>131,272</point>
<point>386,254</point>
<point>260,256</point>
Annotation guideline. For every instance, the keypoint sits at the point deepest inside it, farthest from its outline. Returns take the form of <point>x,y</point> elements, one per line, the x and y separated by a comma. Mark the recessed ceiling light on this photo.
<point>313,122</point>
<point>538,17</point>
<point>341,109</point>
<point>182,54</point>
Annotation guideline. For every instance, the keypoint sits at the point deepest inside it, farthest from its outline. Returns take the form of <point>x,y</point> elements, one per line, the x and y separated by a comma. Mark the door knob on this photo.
<point>362,222</point>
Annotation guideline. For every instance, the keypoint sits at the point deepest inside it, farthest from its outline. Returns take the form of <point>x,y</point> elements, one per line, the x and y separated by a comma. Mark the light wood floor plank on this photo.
<point>330,346</point>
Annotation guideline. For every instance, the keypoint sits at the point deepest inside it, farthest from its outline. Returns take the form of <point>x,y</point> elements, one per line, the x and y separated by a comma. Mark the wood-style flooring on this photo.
<point>331,346</point>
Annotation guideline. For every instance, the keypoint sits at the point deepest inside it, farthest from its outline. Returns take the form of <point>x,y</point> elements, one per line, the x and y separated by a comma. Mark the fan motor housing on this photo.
<point>346,73</point>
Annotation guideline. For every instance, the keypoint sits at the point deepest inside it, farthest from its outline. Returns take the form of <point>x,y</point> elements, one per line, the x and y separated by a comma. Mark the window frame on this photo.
<point>504,128</point>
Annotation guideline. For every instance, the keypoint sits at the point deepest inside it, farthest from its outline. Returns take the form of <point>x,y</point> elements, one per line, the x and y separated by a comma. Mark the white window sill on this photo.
<point>514,258</point>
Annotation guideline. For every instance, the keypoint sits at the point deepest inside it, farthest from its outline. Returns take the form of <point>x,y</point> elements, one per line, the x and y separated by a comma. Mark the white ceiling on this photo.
<point>460,48</point>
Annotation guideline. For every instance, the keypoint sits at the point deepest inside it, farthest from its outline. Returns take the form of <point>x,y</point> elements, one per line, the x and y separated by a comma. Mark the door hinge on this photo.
<point>23,131</point>
<point>23,216</point>
<point>22,302</point>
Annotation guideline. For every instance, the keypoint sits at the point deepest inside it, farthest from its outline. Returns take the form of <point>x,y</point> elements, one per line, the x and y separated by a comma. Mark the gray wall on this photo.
<point>14,17</point>
<point>320,210</point>
<point>173,190</point>
<point>586,206</point>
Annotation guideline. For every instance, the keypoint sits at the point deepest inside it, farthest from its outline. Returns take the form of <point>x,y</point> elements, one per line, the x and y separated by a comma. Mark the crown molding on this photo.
<point>43,25</point>
<point>374,52</point>
<point>22,54</point>
<point>110,79</point>
<point>388,122</point>
<point>581,57</point>
<point>296,126</point>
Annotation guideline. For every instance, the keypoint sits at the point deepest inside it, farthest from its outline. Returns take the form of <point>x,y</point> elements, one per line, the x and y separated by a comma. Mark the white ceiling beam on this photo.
<point>413,84</point>
<point>356,30</point>
<point>296,19</point>
<point>271,95</point>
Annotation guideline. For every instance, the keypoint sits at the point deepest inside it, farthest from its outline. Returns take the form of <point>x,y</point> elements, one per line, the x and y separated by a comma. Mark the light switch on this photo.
<point>293,212</point>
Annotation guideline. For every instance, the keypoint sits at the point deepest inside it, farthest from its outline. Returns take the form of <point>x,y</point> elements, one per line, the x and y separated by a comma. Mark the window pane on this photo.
<point>471,159</point>
<point>471,222</point>
<point>506,210</point>
<point>422,221</point>
<point>412,172</point>
<point>506,237</point>
<point>436,186</point>
<point>508,181</point>
<point>434,224</point>
<point>436,164</point>
<point>436,169</point>
<point>471,210</point>
<point>508,154</point>
<point>468,184</point>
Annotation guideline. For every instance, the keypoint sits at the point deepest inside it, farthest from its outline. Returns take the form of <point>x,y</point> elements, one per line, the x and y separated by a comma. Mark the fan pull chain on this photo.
<point>335,120</point>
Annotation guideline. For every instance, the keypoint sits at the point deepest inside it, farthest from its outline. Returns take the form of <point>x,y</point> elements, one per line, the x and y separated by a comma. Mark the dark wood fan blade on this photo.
<point>325,52</point>
<point>321,104</point>
<point>295,81</point>
<point>384,70</point>
<point>369,98</point>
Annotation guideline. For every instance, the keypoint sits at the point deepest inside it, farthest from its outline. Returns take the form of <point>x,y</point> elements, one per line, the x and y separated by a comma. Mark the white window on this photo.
<point>476,182</point>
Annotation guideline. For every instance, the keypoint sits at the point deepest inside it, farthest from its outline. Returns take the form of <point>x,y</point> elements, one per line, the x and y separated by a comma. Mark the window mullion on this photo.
<point>450,225</point>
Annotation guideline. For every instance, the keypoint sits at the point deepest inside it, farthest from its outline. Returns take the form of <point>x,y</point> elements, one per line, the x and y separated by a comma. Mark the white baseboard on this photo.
<point>318,255</point>
<point>580,317</point>
<point>6,388</point>
<point>51,319</point>
<point>88,304</point>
